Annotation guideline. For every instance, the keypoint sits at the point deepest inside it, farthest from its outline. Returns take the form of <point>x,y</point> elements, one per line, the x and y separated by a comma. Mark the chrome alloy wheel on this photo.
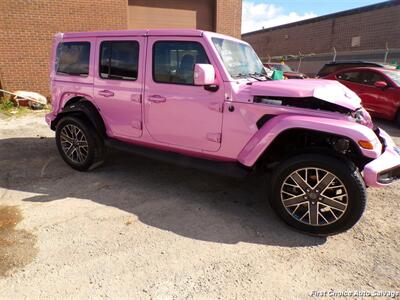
<point>314,196</point>
<point>74,143</point>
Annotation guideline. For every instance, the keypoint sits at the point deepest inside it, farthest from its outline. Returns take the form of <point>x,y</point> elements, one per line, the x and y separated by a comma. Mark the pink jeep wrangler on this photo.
<point>203,100</point>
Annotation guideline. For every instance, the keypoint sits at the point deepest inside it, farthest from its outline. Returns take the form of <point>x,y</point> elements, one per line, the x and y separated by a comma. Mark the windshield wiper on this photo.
<point>257,76</point>
<point>254,75</point>
<point>247,76</point>
<point>240,75</point>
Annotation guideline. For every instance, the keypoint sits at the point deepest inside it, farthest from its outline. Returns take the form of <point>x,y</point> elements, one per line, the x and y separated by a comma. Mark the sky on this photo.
<point>257,14</point>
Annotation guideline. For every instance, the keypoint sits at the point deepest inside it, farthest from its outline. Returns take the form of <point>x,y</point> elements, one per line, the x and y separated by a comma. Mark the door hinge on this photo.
<point>217,106</point>
<point>136,98</point>
<point>214,137</point>
<point>137,125</point>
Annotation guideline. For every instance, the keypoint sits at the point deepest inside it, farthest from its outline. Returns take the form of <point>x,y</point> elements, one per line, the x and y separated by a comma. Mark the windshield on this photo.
<point>394,75</point>
<point>239,59</point>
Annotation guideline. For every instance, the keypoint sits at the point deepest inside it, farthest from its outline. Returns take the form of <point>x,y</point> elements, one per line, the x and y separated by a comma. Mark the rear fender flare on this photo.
<point>60,100</point>
<point>260,141</point>
<point>85,109</point>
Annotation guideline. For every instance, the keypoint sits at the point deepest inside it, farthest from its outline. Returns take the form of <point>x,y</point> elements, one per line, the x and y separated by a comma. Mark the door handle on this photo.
<point>157,99</point>
<point>106,93</point>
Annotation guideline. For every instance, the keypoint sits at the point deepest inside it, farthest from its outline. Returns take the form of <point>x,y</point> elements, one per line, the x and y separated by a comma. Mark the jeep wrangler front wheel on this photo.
<point>318,194</point>
<point>79,144</point>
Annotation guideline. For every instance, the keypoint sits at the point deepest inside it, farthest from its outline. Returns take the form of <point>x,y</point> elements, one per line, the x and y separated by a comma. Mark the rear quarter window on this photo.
<point>72,58</point>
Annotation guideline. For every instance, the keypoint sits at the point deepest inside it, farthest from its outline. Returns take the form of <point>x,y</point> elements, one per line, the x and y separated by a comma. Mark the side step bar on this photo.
<point>230,169</point>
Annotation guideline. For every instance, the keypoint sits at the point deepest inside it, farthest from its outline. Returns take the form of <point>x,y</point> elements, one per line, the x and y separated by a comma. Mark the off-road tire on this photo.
<point>95,145</point>
<point>344,170</point>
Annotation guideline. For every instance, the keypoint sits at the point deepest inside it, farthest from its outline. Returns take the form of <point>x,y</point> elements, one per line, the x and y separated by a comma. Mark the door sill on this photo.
<point>231,169</point>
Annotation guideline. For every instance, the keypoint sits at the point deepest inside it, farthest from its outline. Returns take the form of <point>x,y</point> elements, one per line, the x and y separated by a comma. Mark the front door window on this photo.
<point>174,61</point>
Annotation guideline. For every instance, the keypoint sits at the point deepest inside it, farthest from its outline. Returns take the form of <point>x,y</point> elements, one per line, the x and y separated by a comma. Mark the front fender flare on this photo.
<point>277,125</point>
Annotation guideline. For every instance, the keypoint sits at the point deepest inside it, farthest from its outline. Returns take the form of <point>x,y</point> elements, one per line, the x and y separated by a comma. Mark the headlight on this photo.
<point>362,117</point>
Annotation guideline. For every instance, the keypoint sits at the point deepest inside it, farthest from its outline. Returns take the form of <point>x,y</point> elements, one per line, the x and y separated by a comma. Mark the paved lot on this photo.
<point>142,229</point>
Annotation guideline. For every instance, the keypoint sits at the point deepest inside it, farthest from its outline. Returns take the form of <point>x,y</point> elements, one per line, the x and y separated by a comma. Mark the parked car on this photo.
<point>378,88</point>
<point>287,71</point>
<point>339,65</point>
<point>202,99</point>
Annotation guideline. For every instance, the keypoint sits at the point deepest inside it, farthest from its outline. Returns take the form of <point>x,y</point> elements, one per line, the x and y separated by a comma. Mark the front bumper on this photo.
<point>386,168</point>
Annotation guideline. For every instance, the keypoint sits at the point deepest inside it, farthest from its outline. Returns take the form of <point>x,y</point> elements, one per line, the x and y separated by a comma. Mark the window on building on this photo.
<point>72,58</point>
<point>119,60</point>
<point>173,61</point>
<point>356,41</point>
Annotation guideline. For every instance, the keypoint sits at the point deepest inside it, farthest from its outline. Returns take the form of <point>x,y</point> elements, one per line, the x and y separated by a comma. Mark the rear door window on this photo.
<point>119,60</point>
<point>72,58</point>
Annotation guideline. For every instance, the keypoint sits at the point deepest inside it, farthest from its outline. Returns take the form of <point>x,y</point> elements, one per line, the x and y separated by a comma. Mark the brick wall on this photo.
<point>27,28</point>
<point>229,17</point>
<point>374,27</point>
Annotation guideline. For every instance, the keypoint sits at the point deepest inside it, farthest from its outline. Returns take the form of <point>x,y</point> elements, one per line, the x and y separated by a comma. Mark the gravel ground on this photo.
<point>146,230</point>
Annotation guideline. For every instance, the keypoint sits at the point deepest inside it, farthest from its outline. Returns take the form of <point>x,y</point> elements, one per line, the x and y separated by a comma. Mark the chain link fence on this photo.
<point>311,63</point>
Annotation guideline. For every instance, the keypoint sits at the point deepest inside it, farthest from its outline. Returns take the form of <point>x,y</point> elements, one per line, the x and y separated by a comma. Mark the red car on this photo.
<point>378,88</point>
<point>287,71</point>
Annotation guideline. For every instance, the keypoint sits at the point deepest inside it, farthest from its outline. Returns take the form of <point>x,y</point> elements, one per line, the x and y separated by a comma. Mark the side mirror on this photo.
<point>204,74</point>
<point>381,84</point>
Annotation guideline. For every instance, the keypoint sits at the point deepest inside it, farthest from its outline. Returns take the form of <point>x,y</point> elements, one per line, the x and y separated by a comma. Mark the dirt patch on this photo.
<point>17,247</point>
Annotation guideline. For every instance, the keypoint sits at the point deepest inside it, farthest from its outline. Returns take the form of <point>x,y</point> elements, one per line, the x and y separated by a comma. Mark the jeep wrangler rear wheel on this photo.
<point>318,194</point>
<point>79,144</point>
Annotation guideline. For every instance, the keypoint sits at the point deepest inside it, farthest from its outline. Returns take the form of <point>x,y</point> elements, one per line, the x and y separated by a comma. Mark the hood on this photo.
<point>327,90</point>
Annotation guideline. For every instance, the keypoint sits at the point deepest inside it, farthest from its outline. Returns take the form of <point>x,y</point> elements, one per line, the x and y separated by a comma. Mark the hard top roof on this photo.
<point>143,32</point>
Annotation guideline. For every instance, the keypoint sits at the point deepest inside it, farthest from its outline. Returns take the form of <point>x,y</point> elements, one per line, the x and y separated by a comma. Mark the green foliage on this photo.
<point>6,103</point>
<point>9,107</point>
